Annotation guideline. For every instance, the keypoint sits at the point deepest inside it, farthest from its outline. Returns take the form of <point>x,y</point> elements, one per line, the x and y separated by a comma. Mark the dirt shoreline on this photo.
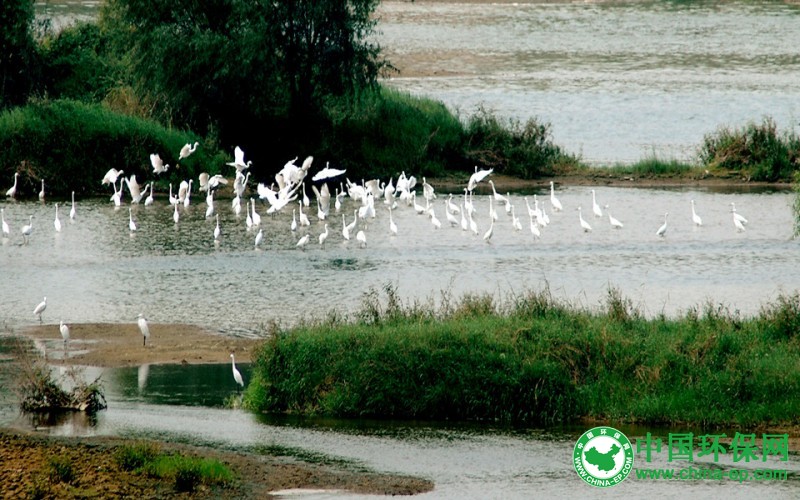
<point>25,455</point>
<point>118,345</point>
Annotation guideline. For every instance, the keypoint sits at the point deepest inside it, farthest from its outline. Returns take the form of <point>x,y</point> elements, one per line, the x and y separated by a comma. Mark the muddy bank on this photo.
<point>115,345</point>
<point>25,466</point>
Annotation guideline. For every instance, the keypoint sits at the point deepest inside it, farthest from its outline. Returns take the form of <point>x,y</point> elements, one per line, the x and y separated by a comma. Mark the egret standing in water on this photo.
<point>64,333</point>
<point>663,229</point>
<point>57,221</point>
<point>72,212</point>
<point>39,309</point>
<point>6,229</point>
<point>27,229</point>
<point>236,375</point>
<point>144,328</point>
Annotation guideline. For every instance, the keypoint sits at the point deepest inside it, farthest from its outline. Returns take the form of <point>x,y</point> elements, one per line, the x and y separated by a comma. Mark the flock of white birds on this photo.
<point>289,191</point>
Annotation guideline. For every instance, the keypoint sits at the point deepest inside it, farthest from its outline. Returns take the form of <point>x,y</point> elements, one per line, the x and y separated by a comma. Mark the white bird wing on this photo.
<point>327,173</point>
<point>307,163</point>
<point>266,193</point>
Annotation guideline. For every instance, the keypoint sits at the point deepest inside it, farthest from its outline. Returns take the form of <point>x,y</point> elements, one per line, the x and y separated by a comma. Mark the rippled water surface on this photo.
<point>96,270</point>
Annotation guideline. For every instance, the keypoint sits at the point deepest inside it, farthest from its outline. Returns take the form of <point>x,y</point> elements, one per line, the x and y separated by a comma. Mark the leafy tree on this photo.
<point>236,68</point>
<point>17,51</point>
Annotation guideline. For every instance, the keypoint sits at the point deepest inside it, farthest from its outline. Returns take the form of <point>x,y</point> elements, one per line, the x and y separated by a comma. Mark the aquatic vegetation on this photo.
<point>533,359</point>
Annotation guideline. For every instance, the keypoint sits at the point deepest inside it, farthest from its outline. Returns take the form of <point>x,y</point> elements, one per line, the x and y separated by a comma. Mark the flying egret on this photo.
<point>302,242</point>
<point>327,173</point>
<point>595,207</point>
<point>553,200</point>
<point>238,161</point>
<point>64,329</point>
<point>362,238</point>
<point>259,237</point>
<point>144,328</point>
<point>585,225</point>
<point>12,191</point>
<point>111,176</point>
<point>696,218</point>
<point>186,150</point>
<point>663,229</point>
<point>39,309</point>
<point>57,221</point>
<point>324,235</point>
<point>158,164</point>
<point>216,229</point>
<point>134,188</point>
<point>477,177</point>
<point>41,193</point>
<point>72,211</point>
<point>6,229</point>
<point>236,375</point>
<point>27,229</point>
<point>131,224</point>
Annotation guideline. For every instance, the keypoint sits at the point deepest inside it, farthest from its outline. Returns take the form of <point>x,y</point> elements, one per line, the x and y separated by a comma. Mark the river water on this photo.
<point>616,80</point>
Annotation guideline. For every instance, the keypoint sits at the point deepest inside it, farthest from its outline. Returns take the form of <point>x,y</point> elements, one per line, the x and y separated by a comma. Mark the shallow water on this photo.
<point>96,270</point>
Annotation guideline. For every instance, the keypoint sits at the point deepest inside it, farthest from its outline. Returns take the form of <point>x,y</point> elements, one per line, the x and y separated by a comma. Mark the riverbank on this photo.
<point>26,458</point>
<point>27,462</point>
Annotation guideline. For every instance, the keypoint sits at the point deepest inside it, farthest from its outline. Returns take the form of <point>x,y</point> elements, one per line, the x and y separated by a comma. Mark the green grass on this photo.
<point>187,473</point>
<point>653,166</point>
<point>534,360</point>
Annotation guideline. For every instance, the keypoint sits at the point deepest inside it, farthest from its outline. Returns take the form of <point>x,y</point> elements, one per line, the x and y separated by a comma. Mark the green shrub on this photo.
<point>60,469</point>
<point>135,456</point>
<point>758,151</point>
<point>72,144</point>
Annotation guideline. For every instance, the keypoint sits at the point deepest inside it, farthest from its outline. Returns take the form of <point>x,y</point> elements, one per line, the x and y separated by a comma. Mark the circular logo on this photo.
<point>603,457</point>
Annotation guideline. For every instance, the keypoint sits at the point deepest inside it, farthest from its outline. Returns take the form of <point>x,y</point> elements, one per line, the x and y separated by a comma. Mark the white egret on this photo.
<point>216,229</point>
<point>464,223</point>
<point>327,173</point>
<point>553,200</point>
<point>238,161</point>
<point>306,201</point>
<point>236,375</point>
<point>302,242</point>
<point>144,328</point>
<point>12,191</point>
<point>585,225</point>
<point>186,150</point>
<point>696,218</point>
<point>6,229</point>
<point>450,217</point>
<point>737,215</point>
<point>27,229</point>
<point>57,221</point>
<point>487,236</point>
<point>72,211</point>
<point>188,195</point>
<point>345,229</point>
<point>663,229</point>
<point>111,176</point>
<point>254,215</point>
<point>535,229</point>
<point>595,207</point>
<point>64,329</point>
<point>259,237</point>
<point>492,211</point>
<point>324,235</point>
<point>452,206</point>
<point>427,190</point>
<point>738,224</point>
<point>515,222</point>
<point>41,193</point>
<point>172,199</point>
<point>134,188</point>
<point>362,238</point>
<point>615,223</point>
<point>39,309</point>
<point>210,204</point>
<point>434,220</point>
<point>117,196</point>
<point>477,177</point>
<point>303,217</point>
<point>175,215</point>
<point>149,200</point>
<point>131,223</point>
<point>473,226</point>
<point>158,164</point>
<point>294,220</point>
<point>499,198</point>
<point>240,183</point>
<point>508,204</point>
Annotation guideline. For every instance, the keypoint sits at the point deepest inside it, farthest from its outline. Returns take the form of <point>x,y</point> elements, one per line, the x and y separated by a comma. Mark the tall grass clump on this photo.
<point>513,148</point>
<point>534,359</point>
<point>72,144</point>
<point>757,151</point>
<point>654,166</point>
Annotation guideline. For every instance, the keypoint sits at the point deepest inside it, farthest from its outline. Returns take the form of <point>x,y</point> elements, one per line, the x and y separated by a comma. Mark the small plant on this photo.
<point>59,469</point>
<point>135,456</point>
